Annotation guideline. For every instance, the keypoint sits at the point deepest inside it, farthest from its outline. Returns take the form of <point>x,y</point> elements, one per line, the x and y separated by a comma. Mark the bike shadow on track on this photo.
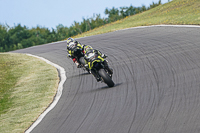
<point>106,87</point>
<point>102,88</point>
<point>78,75</point>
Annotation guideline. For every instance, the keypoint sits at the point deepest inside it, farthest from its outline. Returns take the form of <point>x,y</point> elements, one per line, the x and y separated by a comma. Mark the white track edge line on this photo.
<point>58,94</point>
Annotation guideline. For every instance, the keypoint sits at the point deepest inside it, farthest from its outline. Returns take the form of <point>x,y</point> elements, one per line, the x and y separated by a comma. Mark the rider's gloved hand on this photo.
<point>104,56</point>
<point>86,65</point>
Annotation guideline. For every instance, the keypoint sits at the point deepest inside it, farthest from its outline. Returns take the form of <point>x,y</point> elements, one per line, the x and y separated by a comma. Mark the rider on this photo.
<point>89,63</point>
<point>75,50</point>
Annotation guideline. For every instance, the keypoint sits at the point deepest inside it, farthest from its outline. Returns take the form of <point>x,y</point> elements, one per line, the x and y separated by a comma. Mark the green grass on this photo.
<point>27,87</point>
<point>176,12</point>
<point>6,87</point>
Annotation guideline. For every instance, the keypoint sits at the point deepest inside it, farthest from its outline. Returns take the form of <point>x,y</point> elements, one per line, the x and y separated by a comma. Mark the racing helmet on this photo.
<point>71,44</point>
<point>88,49</point>
<point>70,40</point>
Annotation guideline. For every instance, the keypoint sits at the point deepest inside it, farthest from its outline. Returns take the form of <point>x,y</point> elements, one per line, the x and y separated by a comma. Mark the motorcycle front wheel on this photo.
<point>82,61</point>
<point>106,78</point>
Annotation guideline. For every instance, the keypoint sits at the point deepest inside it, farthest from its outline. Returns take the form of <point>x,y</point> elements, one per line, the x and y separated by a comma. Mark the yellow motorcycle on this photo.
<point>97,65</point>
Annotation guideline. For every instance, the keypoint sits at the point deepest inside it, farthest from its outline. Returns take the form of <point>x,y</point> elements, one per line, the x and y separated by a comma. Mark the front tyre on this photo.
<point>106,78</point>
<point>82,61</point>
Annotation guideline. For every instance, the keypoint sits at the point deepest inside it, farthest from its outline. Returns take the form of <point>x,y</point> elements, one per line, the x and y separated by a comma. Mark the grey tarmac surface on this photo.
<point>157,77</point>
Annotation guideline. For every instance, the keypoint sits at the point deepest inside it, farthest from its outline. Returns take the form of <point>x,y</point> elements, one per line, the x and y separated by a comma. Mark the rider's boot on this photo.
<point>77,64</point>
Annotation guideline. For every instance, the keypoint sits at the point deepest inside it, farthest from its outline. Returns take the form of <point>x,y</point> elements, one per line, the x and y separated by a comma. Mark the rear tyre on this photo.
<point>106,78</point>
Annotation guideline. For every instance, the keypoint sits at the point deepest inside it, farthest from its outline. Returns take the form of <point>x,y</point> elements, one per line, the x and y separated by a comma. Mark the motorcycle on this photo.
<point>79,55</point>
<point>96,63</point>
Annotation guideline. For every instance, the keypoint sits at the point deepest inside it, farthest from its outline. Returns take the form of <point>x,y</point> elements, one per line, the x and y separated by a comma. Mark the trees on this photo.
<point>154,4</point>
<point>113,14</point>
<point>21,37</point>
<point>12,38</point>
<point>16,35</point>
<point>3,37</point>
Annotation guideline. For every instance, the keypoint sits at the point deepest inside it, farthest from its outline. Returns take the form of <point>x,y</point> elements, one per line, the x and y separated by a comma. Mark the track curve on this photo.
<point>157,77</point>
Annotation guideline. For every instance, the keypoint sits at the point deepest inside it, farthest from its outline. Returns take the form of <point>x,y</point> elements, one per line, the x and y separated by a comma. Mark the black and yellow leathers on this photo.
<point>92,56</point>
<point>90,60</point>
<point>75,51</point>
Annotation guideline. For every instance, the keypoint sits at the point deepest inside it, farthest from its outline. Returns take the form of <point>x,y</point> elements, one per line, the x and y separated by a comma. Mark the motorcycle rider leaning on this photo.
<point>87,50</point>
<point>75,50</point>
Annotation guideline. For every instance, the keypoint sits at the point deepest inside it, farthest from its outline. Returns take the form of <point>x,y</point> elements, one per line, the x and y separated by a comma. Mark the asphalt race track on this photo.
<point>157,77</point>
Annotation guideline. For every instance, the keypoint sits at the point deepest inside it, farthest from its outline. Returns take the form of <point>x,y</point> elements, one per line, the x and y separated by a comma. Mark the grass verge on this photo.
<point>176,12</point>
<point>27,87</point>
